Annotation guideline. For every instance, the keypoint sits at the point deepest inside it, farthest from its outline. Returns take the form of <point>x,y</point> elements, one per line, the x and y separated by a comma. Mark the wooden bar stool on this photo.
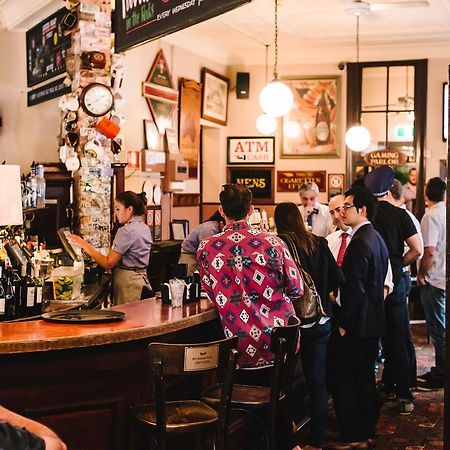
<point>272,403</point>
<point>163,417</point>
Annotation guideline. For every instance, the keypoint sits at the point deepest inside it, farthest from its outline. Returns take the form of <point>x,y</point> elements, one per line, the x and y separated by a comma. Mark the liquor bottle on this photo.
<point>322,120</point>
<point>3,311</point>
<point>27,289</point>
<point>10,299</point>
<point>16,284</point>
<point>39,284</point>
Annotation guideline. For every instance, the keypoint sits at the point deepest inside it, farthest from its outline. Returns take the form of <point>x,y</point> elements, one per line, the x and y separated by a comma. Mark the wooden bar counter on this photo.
<point>81,379</point>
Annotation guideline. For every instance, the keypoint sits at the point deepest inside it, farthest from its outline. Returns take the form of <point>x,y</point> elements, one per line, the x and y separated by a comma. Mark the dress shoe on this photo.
<point>340,445</point>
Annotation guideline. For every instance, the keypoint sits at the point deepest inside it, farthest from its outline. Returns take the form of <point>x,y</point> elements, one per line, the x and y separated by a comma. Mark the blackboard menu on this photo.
<point>136,22</point>
<point>46,49</point>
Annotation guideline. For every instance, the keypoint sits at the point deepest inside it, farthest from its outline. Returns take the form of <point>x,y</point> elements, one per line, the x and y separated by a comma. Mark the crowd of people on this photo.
<point>358,251</point>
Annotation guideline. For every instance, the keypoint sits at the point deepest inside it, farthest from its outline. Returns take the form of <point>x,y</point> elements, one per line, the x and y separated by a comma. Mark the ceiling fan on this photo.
<point>361,7</point>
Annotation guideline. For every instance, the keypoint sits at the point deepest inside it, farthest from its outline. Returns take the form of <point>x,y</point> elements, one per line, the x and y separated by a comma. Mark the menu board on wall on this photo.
<point>137,22</point>
<point>46,49</point>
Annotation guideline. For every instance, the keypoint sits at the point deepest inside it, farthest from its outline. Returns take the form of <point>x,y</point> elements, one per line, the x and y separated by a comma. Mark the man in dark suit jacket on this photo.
<point>360,323</point>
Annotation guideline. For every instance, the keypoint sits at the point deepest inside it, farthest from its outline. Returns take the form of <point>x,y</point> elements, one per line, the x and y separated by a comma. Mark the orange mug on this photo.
<point>108,128</point>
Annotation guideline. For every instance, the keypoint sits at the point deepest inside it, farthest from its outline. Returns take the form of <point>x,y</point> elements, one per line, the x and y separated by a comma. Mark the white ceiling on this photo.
<point>310,30</point>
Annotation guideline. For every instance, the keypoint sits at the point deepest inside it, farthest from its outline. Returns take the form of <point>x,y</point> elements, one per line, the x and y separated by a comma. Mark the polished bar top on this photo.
<point>143,319</point>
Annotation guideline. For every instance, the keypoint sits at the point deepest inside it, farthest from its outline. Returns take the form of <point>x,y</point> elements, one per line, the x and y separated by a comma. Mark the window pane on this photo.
<point>374,88</point>
<point>376,124</point>
<point>401,88</point>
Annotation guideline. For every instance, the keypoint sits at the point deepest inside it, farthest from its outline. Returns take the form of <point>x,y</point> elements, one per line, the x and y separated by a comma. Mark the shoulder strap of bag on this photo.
<point>292,249</point>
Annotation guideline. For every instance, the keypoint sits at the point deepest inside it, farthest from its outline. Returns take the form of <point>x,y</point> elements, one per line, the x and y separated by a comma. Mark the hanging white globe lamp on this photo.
<point>266,124</point>
<point>357,138</point>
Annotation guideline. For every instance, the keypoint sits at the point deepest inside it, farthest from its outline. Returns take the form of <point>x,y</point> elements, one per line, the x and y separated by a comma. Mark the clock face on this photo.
<point>97,99</point>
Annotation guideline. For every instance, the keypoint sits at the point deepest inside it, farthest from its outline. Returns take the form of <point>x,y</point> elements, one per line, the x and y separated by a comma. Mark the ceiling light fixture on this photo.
<point>358,137</point>
<point>276,98</point>
<point>266,123</point>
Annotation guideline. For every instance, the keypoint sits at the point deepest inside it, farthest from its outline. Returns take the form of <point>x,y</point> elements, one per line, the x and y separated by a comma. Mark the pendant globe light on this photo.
<point>276,98</point>
<point>357,138</point>
<point>266,123</point>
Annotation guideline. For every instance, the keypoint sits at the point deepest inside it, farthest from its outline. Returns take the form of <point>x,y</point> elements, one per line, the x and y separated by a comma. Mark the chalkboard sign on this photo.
<point>136,22</point>
<point>258,179</point>
<point>46,49</point>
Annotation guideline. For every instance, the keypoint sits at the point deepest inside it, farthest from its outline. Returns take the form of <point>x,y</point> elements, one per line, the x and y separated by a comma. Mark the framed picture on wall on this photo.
<point>251,150</point>
<point>214,96</point>
<point>260,180</point>
<point>335,184</point>
<point>311,128</point>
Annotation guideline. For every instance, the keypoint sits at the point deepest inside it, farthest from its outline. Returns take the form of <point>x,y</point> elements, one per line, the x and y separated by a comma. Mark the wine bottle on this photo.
<point>27,290</point>
<point>10,300</point>
<point>322,121</point>
<point>3,312</point>
<point>39,284</point>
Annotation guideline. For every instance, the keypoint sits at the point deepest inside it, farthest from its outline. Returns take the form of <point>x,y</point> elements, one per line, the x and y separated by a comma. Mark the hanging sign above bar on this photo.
<point>138,21</point>
<point>386,157</point>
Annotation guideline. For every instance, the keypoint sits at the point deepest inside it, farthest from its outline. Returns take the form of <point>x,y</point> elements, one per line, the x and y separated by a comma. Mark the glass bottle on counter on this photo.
<point>10,294</point>
<point>3,311</point>
<point>27,289</point>
<point>39,284</point>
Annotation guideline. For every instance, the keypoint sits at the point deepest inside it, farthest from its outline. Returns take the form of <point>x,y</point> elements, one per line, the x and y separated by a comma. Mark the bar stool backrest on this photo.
<point>183,359</point>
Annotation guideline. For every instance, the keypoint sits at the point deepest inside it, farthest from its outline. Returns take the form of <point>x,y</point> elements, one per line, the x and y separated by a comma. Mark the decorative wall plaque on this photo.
<point>290,181</point>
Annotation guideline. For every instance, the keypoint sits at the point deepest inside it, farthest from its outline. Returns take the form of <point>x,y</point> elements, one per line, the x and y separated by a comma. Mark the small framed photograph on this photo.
<point>445,101</point>
<point>260,180</point>
<point>214,96</point>
<point>251,150</point>
<point>335,184</point>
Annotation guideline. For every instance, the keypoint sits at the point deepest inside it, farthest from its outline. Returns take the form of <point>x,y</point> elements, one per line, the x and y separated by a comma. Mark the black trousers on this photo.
<point>351,379</point>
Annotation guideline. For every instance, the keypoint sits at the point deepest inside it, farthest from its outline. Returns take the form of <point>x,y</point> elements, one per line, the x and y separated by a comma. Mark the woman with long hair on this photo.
<point>316,259</point>
<point>130,251</point>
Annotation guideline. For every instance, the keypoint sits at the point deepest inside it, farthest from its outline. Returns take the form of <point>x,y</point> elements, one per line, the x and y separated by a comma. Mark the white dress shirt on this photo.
<point>322,222</point>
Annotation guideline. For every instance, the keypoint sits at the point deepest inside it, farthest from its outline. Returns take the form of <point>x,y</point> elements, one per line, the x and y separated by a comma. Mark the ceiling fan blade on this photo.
<point>383,5</point>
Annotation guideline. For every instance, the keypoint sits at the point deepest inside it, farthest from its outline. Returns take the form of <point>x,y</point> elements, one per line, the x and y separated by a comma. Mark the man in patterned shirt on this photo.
<point>250,277</point>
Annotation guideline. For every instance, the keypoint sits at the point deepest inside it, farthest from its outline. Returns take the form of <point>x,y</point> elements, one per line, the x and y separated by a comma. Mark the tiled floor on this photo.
<point>423,429</point>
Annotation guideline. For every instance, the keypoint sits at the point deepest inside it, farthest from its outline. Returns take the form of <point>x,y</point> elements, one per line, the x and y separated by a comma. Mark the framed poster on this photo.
<point>189,123</point>
<point>335,184</point>
<point>251,150</point>
<point>311,128</point>
<point>258,179</point>
<point>46,49</point>
<point>214,96</point>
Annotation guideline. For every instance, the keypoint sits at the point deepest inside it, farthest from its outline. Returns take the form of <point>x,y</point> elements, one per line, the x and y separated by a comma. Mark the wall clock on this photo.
<point>96,99</point>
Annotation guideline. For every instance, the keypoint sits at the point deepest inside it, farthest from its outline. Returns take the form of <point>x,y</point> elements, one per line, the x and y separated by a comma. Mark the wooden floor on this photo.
<point>423,429</point>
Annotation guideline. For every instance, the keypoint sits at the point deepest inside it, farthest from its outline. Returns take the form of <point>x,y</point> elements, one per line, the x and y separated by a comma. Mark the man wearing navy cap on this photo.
<point>396,228</point>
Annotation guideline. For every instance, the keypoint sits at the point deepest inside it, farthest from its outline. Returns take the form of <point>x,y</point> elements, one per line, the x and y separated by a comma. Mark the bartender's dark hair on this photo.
<point>235,200</point>
<point>216,217</point>
<point>136,201</point>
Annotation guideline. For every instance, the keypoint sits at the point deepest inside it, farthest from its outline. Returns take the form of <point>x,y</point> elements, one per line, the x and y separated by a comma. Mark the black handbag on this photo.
<point>308,307</point>
<point>16,438</point>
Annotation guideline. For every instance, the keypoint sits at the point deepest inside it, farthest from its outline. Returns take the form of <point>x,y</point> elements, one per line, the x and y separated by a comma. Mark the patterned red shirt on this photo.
<point>250,276</point>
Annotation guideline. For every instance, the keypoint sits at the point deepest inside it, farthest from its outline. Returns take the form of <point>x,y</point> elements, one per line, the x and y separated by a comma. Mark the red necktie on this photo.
<point>342,248</point>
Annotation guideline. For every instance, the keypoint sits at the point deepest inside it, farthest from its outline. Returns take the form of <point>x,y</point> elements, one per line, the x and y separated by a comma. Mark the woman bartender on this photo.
<point>130,251</point>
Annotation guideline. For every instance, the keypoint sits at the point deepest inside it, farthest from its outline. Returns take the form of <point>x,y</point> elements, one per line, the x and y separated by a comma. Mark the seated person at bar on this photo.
<point>250,277</point>
<point>190,245</point>
<point>314,213</point>
<point>18,432</point>
<point>130,251</point>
